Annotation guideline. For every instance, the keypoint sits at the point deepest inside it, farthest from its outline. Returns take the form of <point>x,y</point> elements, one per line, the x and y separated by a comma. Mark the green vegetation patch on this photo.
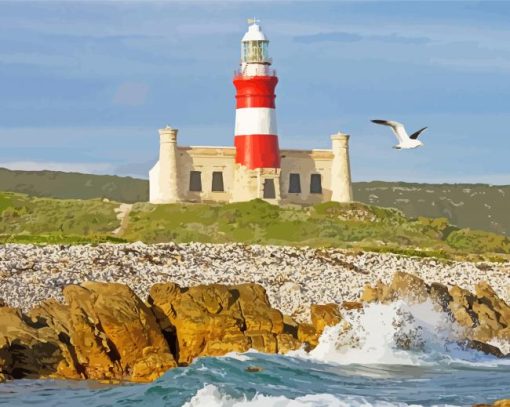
<point>477,241</point>
<point>324,225</point>
<point>24,218</point>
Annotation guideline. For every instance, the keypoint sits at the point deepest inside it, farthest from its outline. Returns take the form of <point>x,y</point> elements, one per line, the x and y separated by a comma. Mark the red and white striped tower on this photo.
<point>256,136</point>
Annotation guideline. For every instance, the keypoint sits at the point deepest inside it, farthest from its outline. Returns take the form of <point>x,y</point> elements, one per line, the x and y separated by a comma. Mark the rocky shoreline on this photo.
<point>294,278</point>
<point>104,331</point>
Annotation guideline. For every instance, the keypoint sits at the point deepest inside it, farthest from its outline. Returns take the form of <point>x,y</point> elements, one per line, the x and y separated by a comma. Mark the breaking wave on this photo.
<point>397,334</point>
<point>211,396</point>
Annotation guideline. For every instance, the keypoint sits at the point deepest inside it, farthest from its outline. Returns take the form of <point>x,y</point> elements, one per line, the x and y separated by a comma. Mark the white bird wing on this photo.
<point>397,128</point>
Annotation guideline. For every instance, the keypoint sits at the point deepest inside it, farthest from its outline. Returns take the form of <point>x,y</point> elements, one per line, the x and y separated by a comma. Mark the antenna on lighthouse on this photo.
<point>253,21</point>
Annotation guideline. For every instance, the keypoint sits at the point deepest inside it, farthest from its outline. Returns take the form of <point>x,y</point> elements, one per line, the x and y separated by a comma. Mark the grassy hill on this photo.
<point>356,225</point>
<point>476,206</point>
<point>70,185</point>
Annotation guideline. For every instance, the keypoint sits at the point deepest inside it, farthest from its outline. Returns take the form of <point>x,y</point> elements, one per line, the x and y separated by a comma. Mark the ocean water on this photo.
<point>392,355</point>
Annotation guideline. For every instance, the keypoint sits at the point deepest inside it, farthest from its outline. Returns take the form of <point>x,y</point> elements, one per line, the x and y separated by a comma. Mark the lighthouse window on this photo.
<point>217,181</point>
<point>315,184</point>
<point>294,184</point>
<point>195,181</point>
<point>255,51</point>
<point>269,191</point>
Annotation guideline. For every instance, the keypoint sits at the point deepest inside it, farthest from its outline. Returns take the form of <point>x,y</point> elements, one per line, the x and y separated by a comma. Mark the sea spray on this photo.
<point>396,333</point>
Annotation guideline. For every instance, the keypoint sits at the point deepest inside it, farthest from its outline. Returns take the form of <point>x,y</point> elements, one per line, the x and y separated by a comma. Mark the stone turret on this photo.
<point>163,176</point>
<point>341,186</point>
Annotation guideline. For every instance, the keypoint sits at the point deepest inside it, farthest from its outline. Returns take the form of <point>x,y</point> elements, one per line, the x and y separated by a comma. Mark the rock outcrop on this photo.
<point>104,331</point>
<point>483,315</point>
<point>217,319</point>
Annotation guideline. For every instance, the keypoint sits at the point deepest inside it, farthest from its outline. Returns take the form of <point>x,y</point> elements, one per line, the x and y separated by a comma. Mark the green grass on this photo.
<point>353,225</point>
<point>45,220</point>
<point>476,241</point>
<point>357,226</point>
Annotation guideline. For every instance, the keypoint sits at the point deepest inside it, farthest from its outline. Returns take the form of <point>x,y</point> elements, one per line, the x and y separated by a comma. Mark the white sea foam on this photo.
<point>395,333</point>
<point>211,396</point>
<point>243,357</point>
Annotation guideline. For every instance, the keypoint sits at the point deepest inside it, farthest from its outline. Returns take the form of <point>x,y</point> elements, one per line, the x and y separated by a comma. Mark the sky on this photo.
<point>85,86</point>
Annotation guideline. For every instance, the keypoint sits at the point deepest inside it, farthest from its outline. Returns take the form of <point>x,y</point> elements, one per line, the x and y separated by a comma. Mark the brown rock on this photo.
<point>216,319</point>
<point>484,347</point>
<point>461,304</point>
<point>371,294</point>
<point>462,315</point>
<point>206,320</point>
<point>24,350</point>
<point>152,365</point>
<point>56,317</point>
<point>308,335</point>
<point>487,316</point>
<point>287,342</point>
<point>407,287</point>
<point>262,341</point>
<point>229,343</point>
<point>256,310</point>
<point>486,295</point>
<point>113,330</point>
<point>497,403</point>
<point>462,297</point>
<point>324,315</point>
<point>352,305</point>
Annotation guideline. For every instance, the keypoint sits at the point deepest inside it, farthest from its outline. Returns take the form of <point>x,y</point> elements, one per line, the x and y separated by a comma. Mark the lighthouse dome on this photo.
<point>254,33</point>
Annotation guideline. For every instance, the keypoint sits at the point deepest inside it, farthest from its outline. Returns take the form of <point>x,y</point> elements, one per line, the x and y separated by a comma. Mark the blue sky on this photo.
<point>85,85</point>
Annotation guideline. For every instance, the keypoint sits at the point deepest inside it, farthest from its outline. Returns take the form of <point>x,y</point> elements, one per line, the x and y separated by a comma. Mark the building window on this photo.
<point>217,181</point>
<point>316,184</point>
<point>269,191</point>
<point>195,181</point>
<point>294,184</point>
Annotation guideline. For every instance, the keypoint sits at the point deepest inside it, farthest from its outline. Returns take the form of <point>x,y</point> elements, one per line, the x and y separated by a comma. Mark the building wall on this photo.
<point>305,163</point>
<point>241,184</point>
<point>206,160</point>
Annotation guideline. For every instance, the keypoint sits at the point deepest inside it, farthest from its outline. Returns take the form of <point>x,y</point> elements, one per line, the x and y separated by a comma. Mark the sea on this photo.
<point>389,355</point>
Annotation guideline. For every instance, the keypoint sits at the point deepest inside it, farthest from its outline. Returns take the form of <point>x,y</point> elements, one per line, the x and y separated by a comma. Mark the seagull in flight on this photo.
<point>404,141</point>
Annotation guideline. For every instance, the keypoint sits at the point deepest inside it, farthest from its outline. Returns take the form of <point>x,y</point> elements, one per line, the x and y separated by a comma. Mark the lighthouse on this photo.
<point>256,135</point>
<point>255,167</point>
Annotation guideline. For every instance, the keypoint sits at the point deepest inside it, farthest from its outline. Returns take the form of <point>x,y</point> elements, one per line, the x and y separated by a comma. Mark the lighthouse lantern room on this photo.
<point>255,167</point>
<point>254,46</point>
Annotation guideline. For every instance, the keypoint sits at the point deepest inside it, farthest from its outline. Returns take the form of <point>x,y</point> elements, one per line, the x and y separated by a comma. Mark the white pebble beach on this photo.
<point>293,277</point>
